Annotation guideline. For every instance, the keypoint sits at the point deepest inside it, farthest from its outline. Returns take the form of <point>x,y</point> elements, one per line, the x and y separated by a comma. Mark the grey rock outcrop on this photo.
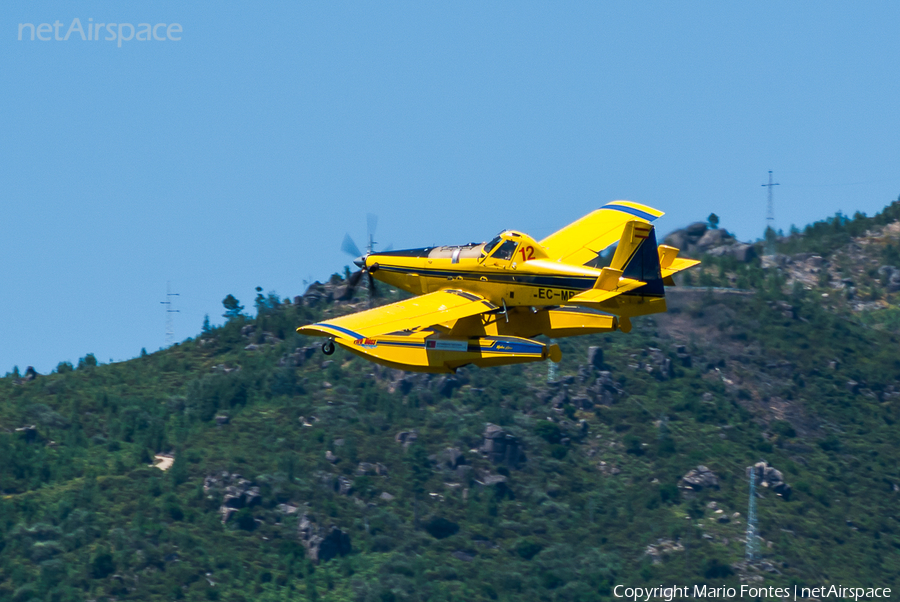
<point>451,457</point>
<point>406,437</point>
<point>299,356</point>
<point>768,476</point>
<point>699,238</point>
<point>501,447</point>
<point>370,469</point>
<point>321,543</point>
<point>595,357</point>
<point>236,491</point>
<point>604,390</point>
<point>683,356</point>
<point>445,385</point>
<point>890,278</point>
<point>700,478</point>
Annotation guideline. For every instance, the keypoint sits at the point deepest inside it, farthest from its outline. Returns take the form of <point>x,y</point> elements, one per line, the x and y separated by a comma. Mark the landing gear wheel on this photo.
<point>328,347</point>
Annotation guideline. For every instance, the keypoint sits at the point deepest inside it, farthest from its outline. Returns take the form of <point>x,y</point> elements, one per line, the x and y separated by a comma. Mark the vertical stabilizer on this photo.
<point>638,258</point>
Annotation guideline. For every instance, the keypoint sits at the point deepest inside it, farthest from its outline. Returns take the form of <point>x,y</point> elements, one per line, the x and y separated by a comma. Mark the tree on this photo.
<point>713,220</point>
<point>260,301</point>
<point>206,326</point>
<point>233,307</point>
<point>419,467</point>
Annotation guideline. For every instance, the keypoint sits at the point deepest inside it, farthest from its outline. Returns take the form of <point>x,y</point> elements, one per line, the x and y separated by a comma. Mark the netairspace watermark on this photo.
<point>669,593</point>
<point>93,32</point>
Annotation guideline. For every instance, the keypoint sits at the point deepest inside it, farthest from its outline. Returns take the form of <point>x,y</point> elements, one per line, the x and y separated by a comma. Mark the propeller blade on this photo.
<point>388,248</point>
<point>349,247</point>
<point>371,223</point>
<point>353,280</point>
<point>373,292</point>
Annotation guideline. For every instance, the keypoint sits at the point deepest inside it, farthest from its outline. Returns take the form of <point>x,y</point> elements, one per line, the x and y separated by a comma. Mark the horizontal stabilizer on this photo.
<point>595,296</point>
<point>678,265</point>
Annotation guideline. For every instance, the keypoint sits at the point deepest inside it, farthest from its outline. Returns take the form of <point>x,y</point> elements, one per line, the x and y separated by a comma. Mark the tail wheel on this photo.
<point>328,347</point>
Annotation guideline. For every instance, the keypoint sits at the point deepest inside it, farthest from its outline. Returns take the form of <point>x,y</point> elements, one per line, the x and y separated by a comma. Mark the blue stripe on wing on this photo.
<point>630,210</point>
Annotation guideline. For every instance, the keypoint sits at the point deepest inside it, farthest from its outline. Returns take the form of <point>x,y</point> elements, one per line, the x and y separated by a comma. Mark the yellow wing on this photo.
<point>581,241</point>
<point>411,314</point>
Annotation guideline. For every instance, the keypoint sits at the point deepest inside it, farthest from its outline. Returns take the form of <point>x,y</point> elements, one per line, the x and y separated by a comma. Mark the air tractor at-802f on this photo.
<point>482,304</point>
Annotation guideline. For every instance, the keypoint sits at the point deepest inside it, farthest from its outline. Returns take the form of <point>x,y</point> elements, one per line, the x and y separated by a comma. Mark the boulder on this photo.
<point>318,293</point>
<point>604,390</point>
<point>661,366</point>
<point>237,492</point>
<point>322,544</point>
<point>561,398</point>
<point>743,252</point>
<point>582,402</point>
<point>714,238</point>
<point>595,357</point>
<point>700,478</point>
<point>446,385</point>
<point>497,481</point>
<point>345,485</point>
<point>28,433</point>
<point>683,356</point>
<point>451,457</point>
<point>365,468</point>
<point>768,476</point>
<point>287,508</point>
<point>343,292</point>
<point>696,230</point>
<point>501,447</point>
<point>406,437</point>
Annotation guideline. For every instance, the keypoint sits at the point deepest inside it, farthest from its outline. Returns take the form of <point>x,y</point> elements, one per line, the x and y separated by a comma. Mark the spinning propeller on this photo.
<point>349,247</point>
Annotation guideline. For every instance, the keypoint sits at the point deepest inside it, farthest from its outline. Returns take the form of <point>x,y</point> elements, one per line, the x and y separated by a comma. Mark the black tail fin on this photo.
<point>638,258</point>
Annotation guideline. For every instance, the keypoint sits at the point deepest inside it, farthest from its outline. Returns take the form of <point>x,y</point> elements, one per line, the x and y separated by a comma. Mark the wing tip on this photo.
<point>637,209</point>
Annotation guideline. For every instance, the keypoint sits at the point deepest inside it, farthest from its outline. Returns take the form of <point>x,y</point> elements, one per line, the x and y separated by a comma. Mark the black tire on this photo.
<point>328,347</point>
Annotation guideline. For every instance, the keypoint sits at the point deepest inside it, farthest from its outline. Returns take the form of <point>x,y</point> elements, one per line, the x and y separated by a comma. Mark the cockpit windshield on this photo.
<point>490,246</point>
<point>506,250</point>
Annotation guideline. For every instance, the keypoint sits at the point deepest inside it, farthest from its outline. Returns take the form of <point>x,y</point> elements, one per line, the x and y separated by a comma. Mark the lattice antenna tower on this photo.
<point>752,527</point>
<point>170,318</point>
<point>770,214</point>
<point>551,367</point>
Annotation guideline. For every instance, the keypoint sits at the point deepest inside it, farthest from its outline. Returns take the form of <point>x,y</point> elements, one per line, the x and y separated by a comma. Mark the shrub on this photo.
<point>548,431</point>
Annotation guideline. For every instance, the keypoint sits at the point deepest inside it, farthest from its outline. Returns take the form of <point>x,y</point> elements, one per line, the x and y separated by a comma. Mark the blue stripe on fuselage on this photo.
<point>575,282</point>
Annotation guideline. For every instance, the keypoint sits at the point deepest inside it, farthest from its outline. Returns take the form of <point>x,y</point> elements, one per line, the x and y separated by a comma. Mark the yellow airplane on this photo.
<point>481,304</point>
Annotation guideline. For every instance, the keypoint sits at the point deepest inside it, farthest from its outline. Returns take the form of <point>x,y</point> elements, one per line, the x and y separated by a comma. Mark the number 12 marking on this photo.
<point>527,252</point>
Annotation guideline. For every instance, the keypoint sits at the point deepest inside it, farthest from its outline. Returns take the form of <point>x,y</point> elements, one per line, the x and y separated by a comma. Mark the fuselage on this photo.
<point>511,277</point>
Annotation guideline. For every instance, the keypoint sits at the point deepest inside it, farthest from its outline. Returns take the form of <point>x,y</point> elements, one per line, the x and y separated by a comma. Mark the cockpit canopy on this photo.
<point>504,246</point>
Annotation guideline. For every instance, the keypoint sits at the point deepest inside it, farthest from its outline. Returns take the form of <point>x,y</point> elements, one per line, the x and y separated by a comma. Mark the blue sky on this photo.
<point>240,155</point>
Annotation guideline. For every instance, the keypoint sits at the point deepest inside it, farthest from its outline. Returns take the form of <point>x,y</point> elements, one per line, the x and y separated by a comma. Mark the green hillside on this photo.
<point>302,477</point>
